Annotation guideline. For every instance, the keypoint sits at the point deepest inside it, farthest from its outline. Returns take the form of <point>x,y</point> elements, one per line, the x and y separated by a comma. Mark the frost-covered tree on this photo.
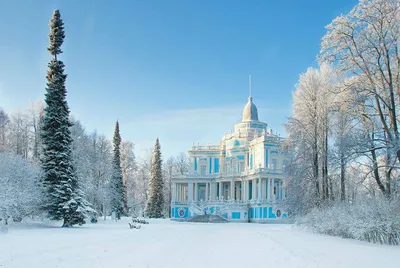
<point>64,199</point>
<point>308,130</point>
<point>92,154</point>
<point>155,204</point>
<point>20,131</point>
<point>101,170</point>
<point>118,189</point>
<point>141,184</point>
<point>363,45</point>
<point>169,169</point>
<point>18,134</point>
<point>34,116</point>
<point>181,164</point>
<point>128,168</point>
<point>4,120</point>
<point>20,195</point>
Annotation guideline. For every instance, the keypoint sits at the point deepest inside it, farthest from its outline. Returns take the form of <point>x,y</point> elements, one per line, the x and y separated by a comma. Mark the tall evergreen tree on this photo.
<point>63,196</point>
<point>155,203</point>
<point>118,189</point>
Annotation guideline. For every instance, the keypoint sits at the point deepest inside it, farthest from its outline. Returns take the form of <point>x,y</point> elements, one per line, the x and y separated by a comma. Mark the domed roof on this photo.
<point>250,111</point>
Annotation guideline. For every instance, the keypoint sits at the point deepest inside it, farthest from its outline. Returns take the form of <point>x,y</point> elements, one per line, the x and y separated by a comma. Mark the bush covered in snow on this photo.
<point>19,191</point>
<point>371,220</point>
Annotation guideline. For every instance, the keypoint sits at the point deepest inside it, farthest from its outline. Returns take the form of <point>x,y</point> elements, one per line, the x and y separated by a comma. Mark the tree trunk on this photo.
<point>375,169</point>
<point>315,167</point>
<point>342,177</point>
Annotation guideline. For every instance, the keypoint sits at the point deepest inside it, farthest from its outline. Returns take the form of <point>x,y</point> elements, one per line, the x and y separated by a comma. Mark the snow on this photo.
<point>167,244</point>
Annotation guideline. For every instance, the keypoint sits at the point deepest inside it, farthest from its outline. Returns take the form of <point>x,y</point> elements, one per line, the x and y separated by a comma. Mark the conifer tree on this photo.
<point>155,204</point>
<point>118,191</point>
<point>63,196</point>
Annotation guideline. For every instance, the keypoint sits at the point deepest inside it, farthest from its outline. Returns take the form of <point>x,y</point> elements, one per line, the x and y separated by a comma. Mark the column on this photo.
<point>196,192</point>
<point>246,188</point>
<point>232,189</point>
<point>242,183</point>
<point>173,192</point>
<point>263,192</point>
<point>254,191</point>
<point>212,191</point>
<point>272,189</point>
<point>283,192</point>
<point>207,192</point>
<point>220,189</point>
<point>269,189</point>
<point>190,191</point>
<point>260,188</point>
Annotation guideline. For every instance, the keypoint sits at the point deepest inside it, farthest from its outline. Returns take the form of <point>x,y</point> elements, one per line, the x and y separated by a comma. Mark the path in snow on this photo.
<point>166,244</point>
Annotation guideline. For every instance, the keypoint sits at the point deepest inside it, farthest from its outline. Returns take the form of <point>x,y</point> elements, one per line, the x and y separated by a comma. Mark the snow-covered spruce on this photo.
<point>63,197</point>
<point>117,187</point>
<point>155,204</point>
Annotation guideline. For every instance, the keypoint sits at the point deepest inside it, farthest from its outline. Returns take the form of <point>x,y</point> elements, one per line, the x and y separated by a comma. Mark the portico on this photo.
<point>270,189</point>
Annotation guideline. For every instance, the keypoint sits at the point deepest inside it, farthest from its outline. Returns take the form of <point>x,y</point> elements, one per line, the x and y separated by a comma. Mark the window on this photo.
<point>203,170</point>
<point>241,166</point>
<point>234,165</point>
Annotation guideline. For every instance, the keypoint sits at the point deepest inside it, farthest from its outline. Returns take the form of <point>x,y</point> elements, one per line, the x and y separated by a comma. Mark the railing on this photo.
<point>227,202</point>
<point>206,147</point>
<point>195,208</point>
<point>231,174</point>
<point>247,134</point>
<point>197,176</point>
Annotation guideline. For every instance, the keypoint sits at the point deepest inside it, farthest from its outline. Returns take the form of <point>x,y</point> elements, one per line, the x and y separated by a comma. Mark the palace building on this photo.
<point>242,179</point>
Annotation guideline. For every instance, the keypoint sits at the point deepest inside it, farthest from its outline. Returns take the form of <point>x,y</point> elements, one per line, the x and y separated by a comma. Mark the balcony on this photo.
<point>261,171</point>
<point>197,176</point>
<point>205,148</point>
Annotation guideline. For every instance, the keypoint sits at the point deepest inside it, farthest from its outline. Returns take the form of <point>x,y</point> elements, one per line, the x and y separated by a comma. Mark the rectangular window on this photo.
<point>203,170</point>
<point>216,165</point>
<point>241,167</point>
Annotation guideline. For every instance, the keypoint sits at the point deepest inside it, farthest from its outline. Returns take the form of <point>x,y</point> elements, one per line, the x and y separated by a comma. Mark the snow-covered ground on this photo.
<point>163,243</point>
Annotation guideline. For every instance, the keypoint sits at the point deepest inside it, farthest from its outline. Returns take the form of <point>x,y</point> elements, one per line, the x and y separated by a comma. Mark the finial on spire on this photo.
<point>250,85</point>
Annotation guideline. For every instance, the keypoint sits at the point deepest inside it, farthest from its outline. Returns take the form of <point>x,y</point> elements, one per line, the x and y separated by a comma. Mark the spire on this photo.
<point>250,85</point>
<point>250,110</point>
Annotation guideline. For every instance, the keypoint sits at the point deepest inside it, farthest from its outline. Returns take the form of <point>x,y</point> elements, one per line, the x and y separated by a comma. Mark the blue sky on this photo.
<point>175,69</point>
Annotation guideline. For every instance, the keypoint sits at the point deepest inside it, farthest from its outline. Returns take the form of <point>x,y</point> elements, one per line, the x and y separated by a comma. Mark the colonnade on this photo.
<point>261,189</point>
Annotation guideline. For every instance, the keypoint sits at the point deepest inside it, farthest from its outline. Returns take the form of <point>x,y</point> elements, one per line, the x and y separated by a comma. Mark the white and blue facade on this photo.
<point>241,179</point>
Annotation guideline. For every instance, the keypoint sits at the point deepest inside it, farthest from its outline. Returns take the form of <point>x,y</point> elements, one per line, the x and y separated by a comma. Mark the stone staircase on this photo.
<point>209,218</point>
